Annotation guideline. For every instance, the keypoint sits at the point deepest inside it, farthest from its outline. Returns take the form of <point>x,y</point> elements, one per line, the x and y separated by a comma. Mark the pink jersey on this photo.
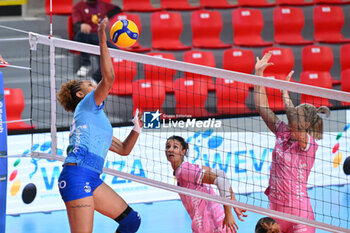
<point>207,216</point>
<point>290,168</point>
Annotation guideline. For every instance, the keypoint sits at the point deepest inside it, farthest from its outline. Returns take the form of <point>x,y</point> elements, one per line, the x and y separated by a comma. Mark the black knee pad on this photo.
<point>129,221</point>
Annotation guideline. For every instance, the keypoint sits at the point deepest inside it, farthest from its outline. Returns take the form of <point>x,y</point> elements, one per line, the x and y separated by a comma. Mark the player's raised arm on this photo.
<point>261,101</point>
<point>107,70</point>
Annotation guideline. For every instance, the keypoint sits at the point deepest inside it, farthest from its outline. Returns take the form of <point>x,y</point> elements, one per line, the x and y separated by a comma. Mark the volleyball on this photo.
<point>124,33</point>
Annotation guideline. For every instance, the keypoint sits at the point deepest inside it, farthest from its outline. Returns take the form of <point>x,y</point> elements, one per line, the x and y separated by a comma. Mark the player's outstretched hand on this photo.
<point>137,120</point>
<point>240,213</point>
<point>102,30</point>
<point>289,76</point>
<point>263,63</point>
<point>230,224</point>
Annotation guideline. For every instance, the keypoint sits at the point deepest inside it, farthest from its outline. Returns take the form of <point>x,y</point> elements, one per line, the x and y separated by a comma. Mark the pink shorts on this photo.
<point>304,211</point>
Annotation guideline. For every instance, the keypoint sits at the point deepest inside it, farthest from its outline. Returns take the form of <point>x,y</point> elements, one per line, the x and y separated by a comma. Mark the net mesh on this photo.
<point>216,117</point>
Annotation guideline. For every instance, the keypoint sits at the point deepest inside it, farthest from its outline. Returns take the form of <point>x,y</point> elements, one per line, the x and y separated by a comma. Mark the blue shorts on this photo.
<point>77,182</point>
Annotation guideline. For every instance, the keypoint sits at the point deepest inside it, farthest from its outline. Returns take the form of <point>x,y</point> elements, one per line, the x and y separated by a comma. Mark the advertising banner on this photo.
<point>3,157</point>
<point>245,157</point>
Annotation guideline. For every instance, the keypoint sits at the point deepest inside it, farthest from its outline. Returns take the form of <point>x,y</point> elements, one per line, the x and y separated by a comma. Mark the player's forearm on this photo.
<point>105,60</point>
<point>228,210</point>
<point>260,98</point>
<point>130,142</point>
<point>291,111</point>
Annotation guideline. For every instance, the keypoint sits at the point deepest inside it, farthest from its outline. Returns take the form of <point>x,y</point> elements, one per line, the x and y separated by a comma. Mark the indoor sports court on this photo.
<point>190,71</point>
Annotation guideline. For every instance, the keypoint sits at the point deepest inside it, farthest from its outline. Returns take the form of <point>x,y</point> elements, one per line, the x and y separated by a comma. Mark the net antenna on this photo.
<point>150,142</point>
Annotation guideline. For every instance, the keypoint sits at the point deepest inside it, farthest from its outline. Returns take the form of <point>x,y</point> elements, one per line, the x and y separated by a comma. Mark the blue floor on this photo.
<point>168,216</point>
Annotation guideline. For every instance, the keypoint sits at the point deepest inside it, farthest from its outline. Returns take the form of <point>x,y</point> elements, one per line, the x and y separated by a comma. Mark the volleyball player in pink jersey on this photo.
<point>207,216</point>
<point>293,155</point>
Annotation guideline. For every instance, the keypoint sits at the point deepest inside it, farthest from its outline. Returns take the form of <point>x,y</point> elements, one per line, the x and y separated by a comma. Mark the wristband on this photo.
<point>224,186</point>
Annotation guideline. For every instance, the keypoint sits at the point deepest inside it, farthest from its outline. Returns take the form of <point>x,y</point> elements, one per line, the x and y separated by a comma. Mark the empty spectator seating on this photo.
<point>345,83</point>
<point>158,73</point>
<point>125,72</point>
<point>288,24</point>
<point>239,60</point>
<point>247,26</point>
<point>190,96</point>
<point>294,2</point>
<point>148,95</point>
<point>331,1</point>
<point>206,28</point>
<point>255,3</point>
<point>345,56</point>
<point>180,5</point>
<point>166,29</point>
<point>328,24</point>
<point>204,58</point>
<point>283,62</point>
<point>318,58</point>
<point>319,79</point>
<point>231,97</point>
<point>216,4</point>
<point>139,5</point>
<point>14,103</point>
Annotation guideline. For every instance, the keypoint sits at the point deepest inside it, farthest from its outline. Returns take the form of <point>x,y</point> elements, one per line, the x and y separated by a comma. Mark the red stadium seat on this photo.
<point>158,73</point>
<point>136,19</point>
<point>319,79</point>
<point>59,7</point>
<point>166,29</point>
<point>190,95</point>
<point>14,104</point>
<point>125,72</point>
<point>293,2</point>
<point>180,5</point>
<point>239,60</point>
<point>328,23</point>
<point>139,5</point>
<point>148,95</point>
<point>231,96</point>
<point>331,1</point>
<point>345,83</point>
<point>204,58</point>
<point>206,29</point>
<point>255,3</point>
<point>247,26</point>
<point>318,58</point>
<point>288,24</point>
<point>282,59</point>
<point>220,4</point>
<point>344,56</point>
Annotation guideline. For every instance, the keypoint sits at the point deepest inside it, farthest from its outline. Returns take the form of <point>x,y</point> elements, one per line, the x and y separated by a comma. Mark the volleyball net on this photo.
<point>213,109</point>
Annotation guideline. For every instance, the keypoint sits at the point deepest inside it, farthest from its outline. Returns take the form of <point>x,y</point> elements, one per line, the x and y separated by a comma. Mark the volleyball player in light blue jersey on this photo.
<point>90,138</point>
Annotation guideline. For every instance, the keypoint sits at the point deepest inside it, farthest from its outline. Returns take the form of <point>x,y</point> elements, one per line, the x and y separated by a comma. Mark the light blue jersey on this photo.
<point>90,135</point>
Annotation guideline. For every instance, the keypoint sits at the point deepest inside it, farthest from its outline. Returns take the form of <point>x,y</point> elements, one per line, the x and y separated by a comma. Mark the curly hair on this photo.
<point>316,122</point>
<point>67,95</point>
<point>267,225</point>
